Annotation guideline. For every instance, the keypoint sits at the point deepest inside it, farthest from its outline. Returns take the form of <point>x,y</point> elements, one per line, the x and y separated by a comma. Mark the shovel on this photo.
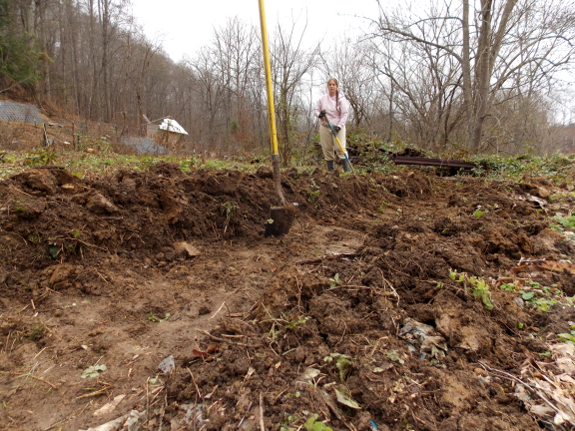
<point>280,218</point>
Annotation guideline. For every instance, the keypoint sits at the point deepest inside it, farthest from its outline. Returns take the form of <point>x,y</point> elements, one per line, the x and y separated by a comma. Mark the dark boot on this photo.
<point>346,166</point>
<point>329,164</point>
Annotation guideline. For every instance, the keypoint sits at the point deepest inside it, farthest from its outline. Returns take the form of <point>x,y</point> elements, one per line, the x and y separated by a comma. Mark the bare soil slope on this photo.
<point>351,319</point>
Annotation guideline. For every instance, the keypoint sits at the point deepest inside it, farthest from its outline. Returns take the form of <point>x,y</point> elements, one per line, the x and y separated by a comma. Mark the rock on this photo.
<point>543,192</point>
<point>98,204</point>
<point>186,249</point>
<point>519,301</point>
<point>69,188</point>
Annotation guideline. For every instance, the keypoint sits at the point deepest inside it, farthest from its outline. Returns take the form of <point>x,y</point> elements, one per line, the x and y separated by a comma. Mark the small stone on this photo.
<point>519,301</point>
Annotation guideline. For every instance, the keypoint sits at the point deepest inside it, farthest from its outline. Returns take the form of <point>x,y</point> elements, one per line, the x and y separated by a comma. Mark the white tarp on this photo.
<point>172,126</point>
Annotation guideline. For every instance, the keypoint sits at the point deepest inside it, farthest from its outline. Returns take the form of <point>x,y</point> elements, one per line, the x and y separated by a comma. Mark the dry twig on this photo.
<point>262,425</point>
<point>222,340</point>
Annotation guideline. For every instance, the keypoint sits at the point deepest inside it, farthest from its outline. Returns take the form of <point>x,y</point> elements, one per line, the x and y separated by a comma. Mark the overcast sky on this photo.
<point>185,26</point>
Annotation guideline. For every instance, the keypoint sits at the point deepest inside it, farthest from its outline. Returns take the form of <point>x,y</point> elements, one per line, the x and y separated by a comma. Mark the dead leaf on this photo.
<point>107,408</point>
<point>344,397</point>
<point>200,354</point>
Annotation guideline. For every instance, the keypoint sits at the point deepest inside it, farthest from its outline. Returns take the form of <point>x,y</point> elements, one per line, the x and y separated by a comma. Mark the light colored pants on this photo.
<point>329,145</point>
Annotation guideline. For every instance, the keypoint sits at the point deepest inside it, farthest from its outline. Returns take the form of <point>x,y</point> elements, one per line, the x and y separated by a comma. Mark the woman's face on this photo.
<point>332,87</point>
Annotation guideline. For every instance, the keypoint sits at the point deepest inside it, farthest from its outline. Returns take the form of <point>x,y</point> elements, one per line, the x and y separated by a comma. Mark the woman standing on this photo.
<point>332,108</point>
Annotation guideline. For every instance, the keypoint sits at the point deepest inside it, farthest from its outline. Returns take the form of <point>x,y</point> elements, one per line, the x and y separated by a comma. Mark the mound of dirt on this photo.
<point>151,300</point>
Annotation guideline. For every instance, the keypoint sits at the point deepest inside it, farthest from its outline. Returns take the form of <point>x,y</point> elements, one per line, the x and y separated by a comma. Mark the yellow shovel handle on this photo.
<point>269,88</point>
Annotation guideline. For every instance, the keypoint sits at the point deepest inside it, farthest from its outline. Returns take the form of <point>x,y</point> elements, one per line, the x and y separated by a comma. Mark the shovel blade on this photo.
<point>279,222</point>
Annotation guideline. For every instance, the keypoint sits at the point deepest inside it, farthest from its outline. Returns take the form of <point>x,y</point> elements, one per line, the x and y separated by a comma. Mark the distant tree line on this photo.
<point>473,75</point>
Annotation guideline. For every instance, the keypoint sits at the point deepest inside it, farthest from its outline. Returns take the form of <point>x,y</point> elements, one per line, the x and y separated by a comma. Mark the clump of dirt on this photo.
<point>398,301</point>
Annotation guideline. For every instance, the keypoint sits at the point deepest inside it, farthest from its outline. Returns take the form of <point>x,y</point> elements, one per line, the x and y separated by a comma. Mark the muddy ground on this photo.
<point>405,301</point>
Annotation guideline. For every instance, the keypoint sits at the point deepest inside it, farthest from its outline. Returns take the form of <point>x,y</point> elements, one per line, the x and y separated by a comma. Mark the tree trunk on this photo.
<point>466,71</point>
<point>105,49</point>
<point>488,48</point>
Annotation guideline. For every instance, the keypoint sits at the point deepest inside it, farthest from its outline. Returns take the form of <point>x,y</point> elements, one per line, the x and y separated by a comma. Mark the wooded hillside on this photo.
<point>472,75</point>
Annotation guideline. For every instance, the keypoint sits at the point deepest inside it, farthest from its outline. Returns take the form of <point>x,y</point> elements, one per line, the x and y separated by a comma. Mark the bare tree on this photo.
<point>355,64</point>
<point>210,94</point>
<point>235,62</point>
<point>290,63</point>
<point>516,45</point>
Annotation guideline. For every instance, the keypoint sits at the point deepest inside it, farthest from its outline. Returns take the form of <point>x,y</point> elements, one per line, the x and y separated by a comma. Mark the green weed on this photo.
<point>286,323</point>
<point>394,356</point>
<point>295,322</point>
<point>39,157</point>
<point>342,364</point>
<point>37,333</point>
<point>510,287</point>
<point>564,222</point>
<point>153,318</point>
<point>540,297</point>
<point>567,337</point>
<point>334,281</point>
<point>478,286</point>
<point>230,211</point>
<point>312,195</point>
<point>312,424</point>
<point>93,371</point>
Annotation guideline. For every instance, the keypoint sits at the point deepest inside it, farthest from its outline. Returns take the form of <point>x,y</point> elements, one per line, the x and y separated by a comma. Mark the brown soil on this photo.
<point>266,332</point>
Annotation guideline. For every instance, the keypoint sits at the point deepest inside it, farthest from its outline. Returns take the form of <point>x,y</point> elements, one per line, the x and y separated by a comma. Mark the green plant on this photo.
<point>479,213</point>
<point>541,297</point>
<point>37,333</point>
<point>187,165</point>
<point>153,318</point>
<point>312,195</point>
<point>567,337</point>
<point>93,371</point>
<point>230,211</point>
<point>33,237</point>
<point>286,323</point>
<point>454,275</point>
<point>334,281</point>
<point>295,322</point>
<point>39,157</point>
<point>312,424</point>
<point>563,223</point>
<point>542,304</point>
<point>382,207</point>
<point>19,206</point>
<point>479,287</point>
<point>394,356</point>
<point>510,287</point>
<point>217,164</point>
<point>287,423</point>
<point>342,363</point>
